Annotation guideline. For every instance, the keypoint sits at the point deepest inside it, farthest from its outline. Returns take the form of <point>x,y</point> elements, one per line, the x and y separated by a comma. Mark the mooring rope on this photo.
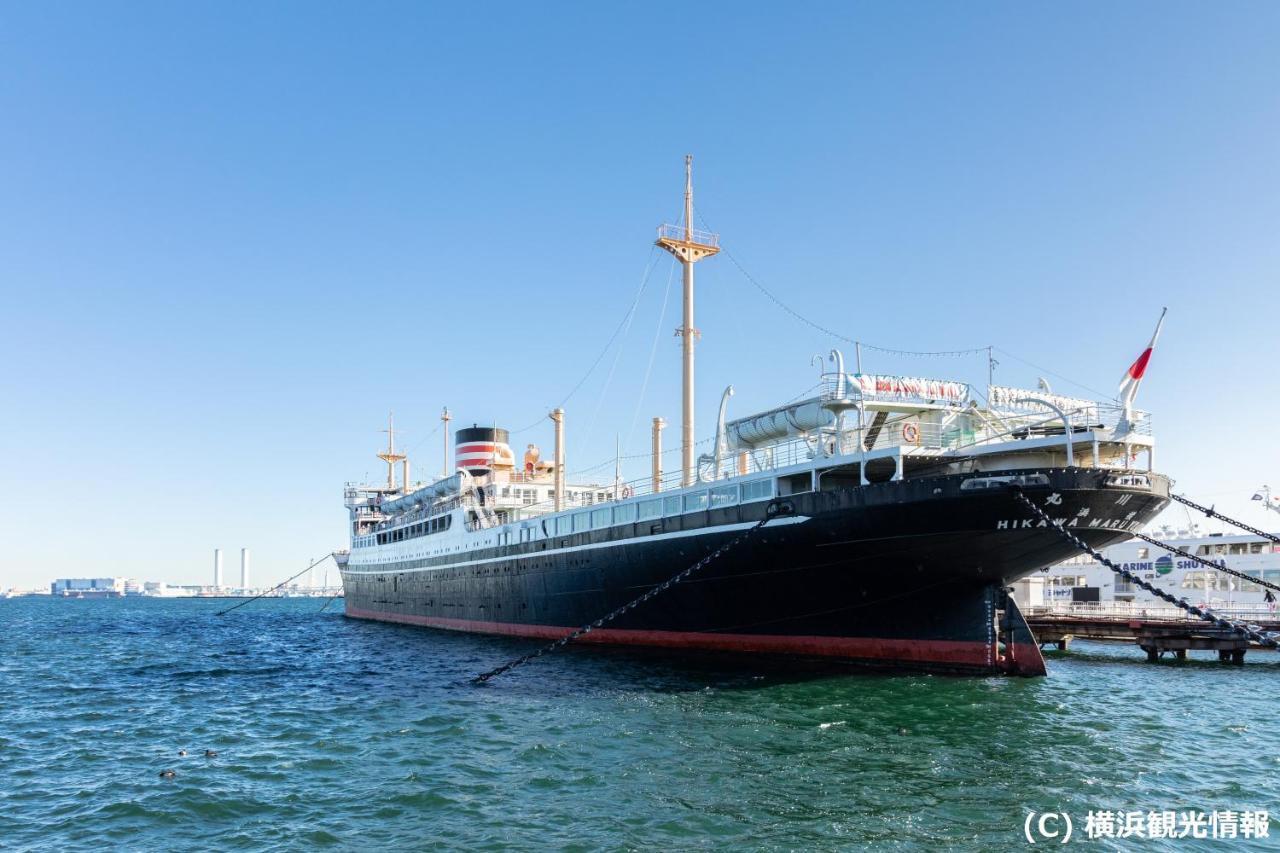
<point>265,593</point>
<point>1207,563</point>
<point>774,510</point>
<point>1212,513</point>
<point>1200,613</point>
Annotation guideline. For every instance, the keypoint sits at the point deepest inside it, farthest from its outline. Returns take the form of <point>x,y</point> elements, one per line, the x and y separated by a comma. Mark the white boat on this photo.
<point>1083,583</point>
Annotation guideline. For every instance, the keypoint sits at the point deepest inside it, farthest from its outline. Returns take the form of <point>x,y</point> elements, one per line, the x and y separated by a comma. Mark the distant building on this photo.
<point>160,589</point>
<point>88,587</point>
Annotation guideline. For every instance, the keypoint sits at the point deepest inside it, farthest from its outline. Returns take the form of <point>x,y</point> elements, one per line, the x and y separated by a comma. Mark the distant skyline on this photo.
<point>233,237</point>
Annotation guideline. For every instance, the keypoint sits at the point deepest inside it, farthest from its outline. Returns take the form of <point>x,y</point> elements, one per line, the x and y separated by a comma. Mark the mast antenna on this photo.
<point>390,456</point>
<point>445,417</point>
<point>689,246</point>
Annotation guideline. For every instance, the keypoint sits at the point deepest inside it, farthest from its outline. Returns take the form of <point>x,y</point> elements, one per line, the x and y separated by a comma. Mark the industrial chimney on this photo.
<point>244,568</point>
<point>217,568</point>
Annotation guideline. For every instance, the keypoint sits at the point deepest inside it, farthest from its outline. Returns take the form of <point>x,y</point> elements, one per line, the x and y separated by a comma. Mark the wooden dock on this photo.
<point>1154,630</point>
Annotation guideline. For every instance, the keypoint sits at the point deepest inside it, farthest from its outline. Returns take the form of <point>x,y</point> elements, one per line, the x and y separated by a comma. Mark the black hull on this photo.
<point>907,575</point>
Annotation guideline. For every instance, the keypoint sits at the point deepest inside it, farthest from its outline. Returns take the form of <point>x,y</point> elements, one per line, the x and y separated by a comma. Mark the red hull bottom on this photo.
<point>952,655</point>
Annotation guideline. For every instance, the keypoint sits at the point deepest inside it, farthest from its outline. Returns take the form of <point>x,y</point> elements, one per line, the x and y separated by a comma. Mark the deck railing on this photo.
<point>1137,610</point>
<point>902,431</point>
<point>677,234</point>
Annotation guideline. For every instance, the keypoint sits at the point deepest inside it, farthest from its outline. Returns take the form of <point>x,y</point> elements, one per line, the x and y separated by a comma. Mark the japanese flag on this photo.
<point>1133,377</point>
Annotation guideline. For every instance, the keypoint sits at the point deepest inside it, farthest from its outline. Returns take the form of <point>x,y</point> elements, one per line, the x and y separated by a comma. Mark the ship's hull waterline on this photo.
<point>906,575</point>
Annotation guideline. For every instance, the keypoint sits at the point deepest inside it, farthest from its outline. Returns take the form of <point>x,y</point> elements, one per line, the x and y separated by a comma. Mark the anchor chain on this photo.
<point>1212,513</point>
<point>1207,563</point>
<point>1266,639</point>
<point>773,511</point>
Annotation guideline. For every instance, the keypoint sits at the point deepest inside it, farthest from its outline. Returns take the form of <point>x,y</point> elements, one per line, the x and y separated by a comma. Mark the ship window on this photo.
<point>601,518</point>
<point>1256,547</point>
<point>1239,548</point>
<point>671,505</point>
<point>757,490</point>
<point>695,501</point>
<point>624,514</point>
<point>580,521</point>
<point>724,495</point>
<point>650,509</point>
<point>564,525</point>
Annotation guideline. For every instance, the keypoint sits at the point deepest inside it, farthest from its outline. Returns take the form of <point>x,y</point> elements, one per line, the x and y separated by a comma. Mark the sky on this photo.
<point>233,237</point>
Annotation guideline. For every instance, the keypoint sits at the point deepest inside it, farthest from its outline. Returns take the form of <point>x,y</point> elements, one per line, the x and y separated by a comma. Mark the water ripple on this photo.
<point>335,733</point>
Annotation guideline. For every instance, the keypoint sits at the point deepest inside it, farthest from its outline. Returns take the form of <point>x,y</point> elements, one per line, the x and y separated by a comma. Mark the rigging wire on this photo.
<point>423,440</point>
<point>626,318</point>
<point>1101,394</point>
<point>960,353</point>
<point>653,351</point>
<point>617,354</point>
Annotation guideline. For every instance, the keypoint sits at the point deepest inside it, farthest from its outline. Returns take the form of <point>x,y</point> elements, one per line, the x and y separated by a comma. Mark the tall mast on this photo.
<point>390,456</point>
<point>445,417</point>
<point>689,246</point>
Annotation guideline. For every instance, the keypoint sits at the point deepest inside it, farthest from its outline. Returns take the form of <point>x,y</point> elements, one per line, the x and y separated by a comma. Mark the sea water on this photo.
<point>332,732</point>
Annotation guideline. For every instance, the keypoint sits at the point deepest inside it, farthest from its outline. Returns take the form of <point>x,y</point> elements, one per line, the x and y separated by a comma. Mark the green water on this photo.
<point>337,733</point>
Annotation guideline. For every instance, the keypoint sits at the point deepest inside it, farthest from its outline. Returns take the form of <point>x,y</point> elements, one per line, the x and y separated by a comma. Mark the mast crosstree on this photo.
<point>390,456</point>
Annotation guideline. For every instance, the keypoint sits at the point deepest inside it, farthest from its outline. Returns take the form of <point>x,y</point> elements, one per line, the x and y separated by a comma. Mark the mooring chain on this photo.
<point>1212,513</point>
<point>773,512</point>
<point>1201,613</point>
<point>1207,563</point>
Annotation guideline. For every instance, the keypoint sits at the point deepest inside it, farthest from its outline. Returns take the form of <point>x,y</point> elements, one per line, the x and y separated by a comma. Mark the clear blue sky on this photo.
<point>232,236</point>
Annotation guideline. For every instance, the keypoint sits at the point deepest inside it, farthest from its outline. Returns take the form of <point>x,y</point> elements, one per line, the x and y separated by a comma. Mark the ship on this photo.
<point>1080,584</point>
<point>880,521</point>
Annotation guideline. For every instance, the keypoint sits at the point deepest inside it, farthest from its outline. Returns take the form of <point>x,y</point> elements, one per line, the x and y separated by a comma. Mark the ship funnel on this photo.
<point>478,450</point>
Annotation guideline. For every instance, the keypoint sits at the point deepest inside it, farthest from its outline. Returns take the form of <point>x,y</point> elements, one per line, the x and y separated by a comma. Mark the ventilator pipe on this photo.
<point>1066,423</point>
<point>557,417</point>
<point>721,436</point>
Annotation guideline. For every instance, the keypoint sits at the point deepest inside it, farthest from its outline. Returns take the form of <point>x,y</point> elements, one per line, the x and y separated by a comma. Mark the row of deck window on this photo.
<point>607,516</point>
<point>422,528</point>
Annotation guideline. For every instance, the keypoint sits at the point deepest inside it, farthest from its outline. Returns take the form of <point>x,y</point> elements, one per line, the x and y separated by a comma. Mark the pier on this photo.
<point>1155,630</point>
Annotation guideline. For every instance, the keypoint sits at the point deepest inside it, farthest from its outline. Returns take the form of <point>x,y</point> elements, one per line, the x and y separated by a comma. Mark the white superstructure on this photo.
<point>1082,581</point>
